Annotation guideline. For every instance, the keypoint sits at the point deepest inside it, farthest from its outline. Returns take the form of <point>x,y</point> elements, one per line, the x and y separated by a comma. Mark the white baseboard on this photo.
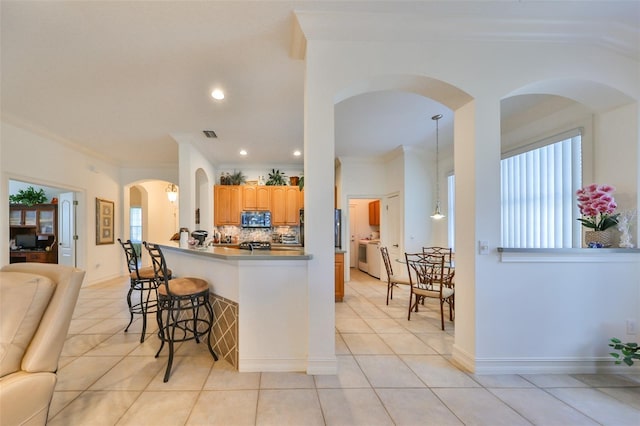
<point>279,365</point>
<point>540,365</point>
<point>327,366</point>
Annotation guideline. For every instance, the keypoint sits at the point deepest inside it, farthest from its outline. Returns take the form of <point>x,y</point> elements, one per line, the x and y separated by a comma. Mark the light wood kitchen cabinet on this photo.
<point>374,213</point>
<point>339,278</point>
<point>256,197</point>
<point>228,204</point>
<point>285,205</point>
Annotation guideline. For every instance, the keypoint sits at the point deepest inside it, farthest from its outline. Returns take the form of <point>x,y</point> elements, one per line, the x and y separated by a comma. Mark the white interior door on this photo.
<point>353,231</point>
<point>394,225</point>
<point>67,229</point>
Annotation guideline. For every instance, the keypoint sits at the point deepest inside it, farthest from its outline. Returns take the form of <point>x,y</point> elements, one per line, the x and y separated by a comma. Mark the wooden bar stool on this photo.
<point>179,306</point>
<point>142,296</point>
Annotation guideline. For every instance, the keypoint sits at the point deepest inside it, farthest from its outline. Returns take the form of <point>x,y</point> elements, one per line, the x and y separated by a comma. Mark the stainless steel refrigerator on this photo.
<point>337,227</point>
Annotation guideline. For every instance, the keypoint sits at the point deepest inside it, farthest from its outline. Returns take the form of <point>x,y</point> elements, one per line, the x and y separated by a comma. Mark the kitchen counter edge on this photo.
<point>230,253</point>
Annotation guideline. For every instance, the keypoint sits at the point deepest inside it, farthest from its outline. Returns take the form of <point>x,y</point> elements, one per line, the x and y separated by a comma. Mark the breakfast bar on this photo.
<point>260,302</point>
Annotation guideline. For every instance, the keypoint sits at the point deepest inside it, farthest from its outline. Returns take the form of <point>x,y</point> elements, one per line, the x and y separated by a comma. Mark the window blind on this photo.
<point>537,195</point>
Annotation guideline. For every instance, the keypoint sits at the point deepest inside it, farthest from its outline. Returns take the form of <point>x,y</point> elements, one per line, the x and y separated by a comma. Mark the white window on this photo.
<point>451,209</point>
<point>538,184</point>
<point>135,224</point>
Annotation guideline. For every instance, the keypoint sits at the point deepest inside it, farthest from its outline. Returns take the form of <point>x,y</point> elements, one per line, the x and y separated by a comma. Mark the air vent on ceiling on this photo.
<point>210,133</point>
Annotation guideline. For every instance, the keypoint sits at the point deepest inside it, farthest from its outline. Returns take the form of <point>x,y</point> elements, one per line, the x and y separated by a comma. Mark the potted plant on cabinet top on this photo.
<point>276,178</point>
<point>237,178</point>
<point>28,197</point>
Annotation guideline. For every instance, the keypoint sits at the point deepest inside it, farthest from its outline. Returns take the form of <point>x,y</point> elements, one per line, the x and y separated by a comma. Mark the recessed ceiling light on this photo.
<point>217,94</point>
<point>297,153</point>
<point>243,152</point>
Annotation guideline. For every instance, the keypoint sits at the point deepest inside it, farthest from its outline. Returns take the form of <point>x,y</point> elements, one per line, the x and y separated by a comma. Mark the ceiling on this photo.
<point>124,80</point>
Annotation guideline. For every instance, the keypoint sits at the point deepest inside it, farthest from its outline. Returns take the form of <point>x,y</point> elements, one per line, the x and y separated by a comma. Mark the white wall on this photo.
<point>419,187</point>
<point>61,166</point>
<point>31,157</point>
<point>616,156</point>
<point>490,293</point>
<point>195,173</point>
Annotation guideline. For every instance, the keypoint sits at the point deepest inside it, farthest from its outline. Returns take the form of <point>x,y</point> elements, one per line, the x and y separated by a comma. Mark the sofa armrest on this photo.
<point>25,398</point>
<point>44,350</point>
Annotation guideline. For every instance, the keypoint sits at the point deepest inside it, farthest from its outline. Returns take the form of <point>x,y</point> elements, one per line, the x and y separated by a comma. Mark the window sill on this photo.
<point>567,255</point>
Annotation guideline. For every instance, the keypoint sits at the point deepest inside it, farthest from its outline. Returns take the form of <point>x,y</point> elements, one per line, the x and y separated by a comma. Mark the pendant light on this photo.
<point>172,192</point>
<point>437,214</point>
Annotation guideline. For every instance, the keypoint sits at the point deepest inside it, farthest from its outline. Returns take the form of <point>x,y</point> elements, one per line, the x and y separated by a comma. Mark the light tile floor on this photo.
<point>391,372</point>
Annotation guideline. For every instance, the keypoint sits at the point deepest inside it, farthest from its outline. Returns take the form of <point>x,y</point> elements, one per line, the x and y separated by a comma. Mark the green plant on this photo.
<point>276,178</point>
<point>301,183</point>
<point>28,196</point>
<point>628,351</point>
<point>237,178</point>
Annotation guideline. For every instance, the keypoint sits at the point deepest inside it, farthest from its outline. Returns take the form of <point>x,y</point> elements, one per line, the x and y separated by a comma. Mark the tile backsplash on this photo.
<point>276,234</point>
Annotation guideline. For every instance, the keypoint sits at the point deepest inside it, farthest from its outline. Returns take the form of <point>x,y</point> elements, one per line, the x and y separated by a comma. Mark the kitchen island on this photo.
<point>259,299</point>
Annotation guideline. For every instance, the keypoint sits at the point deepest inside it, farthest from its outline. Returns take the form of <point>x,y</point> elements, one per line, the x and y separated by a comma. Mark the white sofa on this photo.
<point>36,304</point>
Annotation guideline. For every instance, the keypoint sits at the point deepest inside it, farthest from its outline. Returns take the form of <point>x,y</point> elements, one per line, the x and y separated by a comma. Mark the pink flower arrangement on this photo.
<point>597,205</point>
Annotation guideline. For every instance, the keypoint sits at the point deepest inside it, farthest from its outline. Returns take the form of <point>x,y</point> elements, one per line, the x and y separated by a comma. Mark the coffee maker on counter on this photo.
<point>200,235</point>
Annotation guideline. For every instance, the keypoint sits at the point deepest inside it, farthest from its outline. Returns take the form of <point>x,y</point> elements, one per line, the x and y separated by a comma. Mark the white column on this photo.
<point>477,170</point>
<point>319,204</point>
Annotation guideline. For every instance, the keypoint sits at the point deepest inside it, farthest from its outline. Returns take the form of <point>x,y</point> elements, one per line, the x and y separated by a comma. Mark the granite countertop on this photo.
<point>273,245</point>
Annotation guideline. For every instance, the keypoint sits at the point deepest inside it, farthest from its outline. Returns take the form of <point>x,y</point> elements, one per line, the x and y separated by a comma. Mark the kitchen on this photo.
<point>364,224</point>
<point>255,261</point>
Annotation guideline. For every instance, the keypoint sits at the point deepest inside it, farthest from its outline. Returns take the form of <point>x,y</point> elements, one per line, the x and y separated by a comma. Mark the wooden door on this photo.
<point>374,213</point>
<point>278,205</point>
<point>394,230</point>
<point>292,208</point>
<point>256,198</point>
<point>249,197</point>
<point>285,205</point>
<point>339,277</point>
<point>228,204</point>
<point>263,198</point>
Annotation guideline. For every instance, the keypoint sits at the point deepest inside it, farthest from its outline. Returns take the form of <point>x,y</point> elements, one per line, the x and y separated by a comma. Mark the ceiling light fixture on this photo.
<point>297,153</point>
<point>172,192</point>
<point>437,214</point>
<point>243,152</point>
<point>217,94</point>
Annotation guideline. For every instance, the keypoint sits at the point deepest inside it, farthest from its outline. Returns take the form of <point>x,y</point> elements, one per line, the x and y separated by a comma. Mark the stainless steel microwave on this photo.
<point>255,219</point>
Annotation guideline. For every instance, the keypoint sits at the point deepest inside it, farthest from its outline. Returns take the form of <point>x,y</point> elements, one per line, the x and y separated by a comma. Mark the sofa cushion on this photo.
<point>24,298</point>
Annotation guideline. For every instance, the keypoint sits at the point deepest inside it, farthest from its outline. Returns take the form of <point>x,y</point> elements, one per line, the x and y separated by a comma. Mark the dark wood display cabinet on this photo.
<point>34,230</point>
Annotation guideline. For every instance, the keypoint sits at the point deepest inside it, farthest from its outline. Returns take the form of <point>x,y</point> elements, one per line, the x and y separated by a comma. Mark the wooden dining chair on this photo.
<point>392,280</point>
<point>430,278</point>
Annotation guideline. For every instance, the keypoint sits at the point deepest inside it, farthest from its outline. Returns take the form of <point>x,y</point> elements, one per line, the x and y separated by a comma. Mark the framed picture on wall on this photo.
<point>104,221</point>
